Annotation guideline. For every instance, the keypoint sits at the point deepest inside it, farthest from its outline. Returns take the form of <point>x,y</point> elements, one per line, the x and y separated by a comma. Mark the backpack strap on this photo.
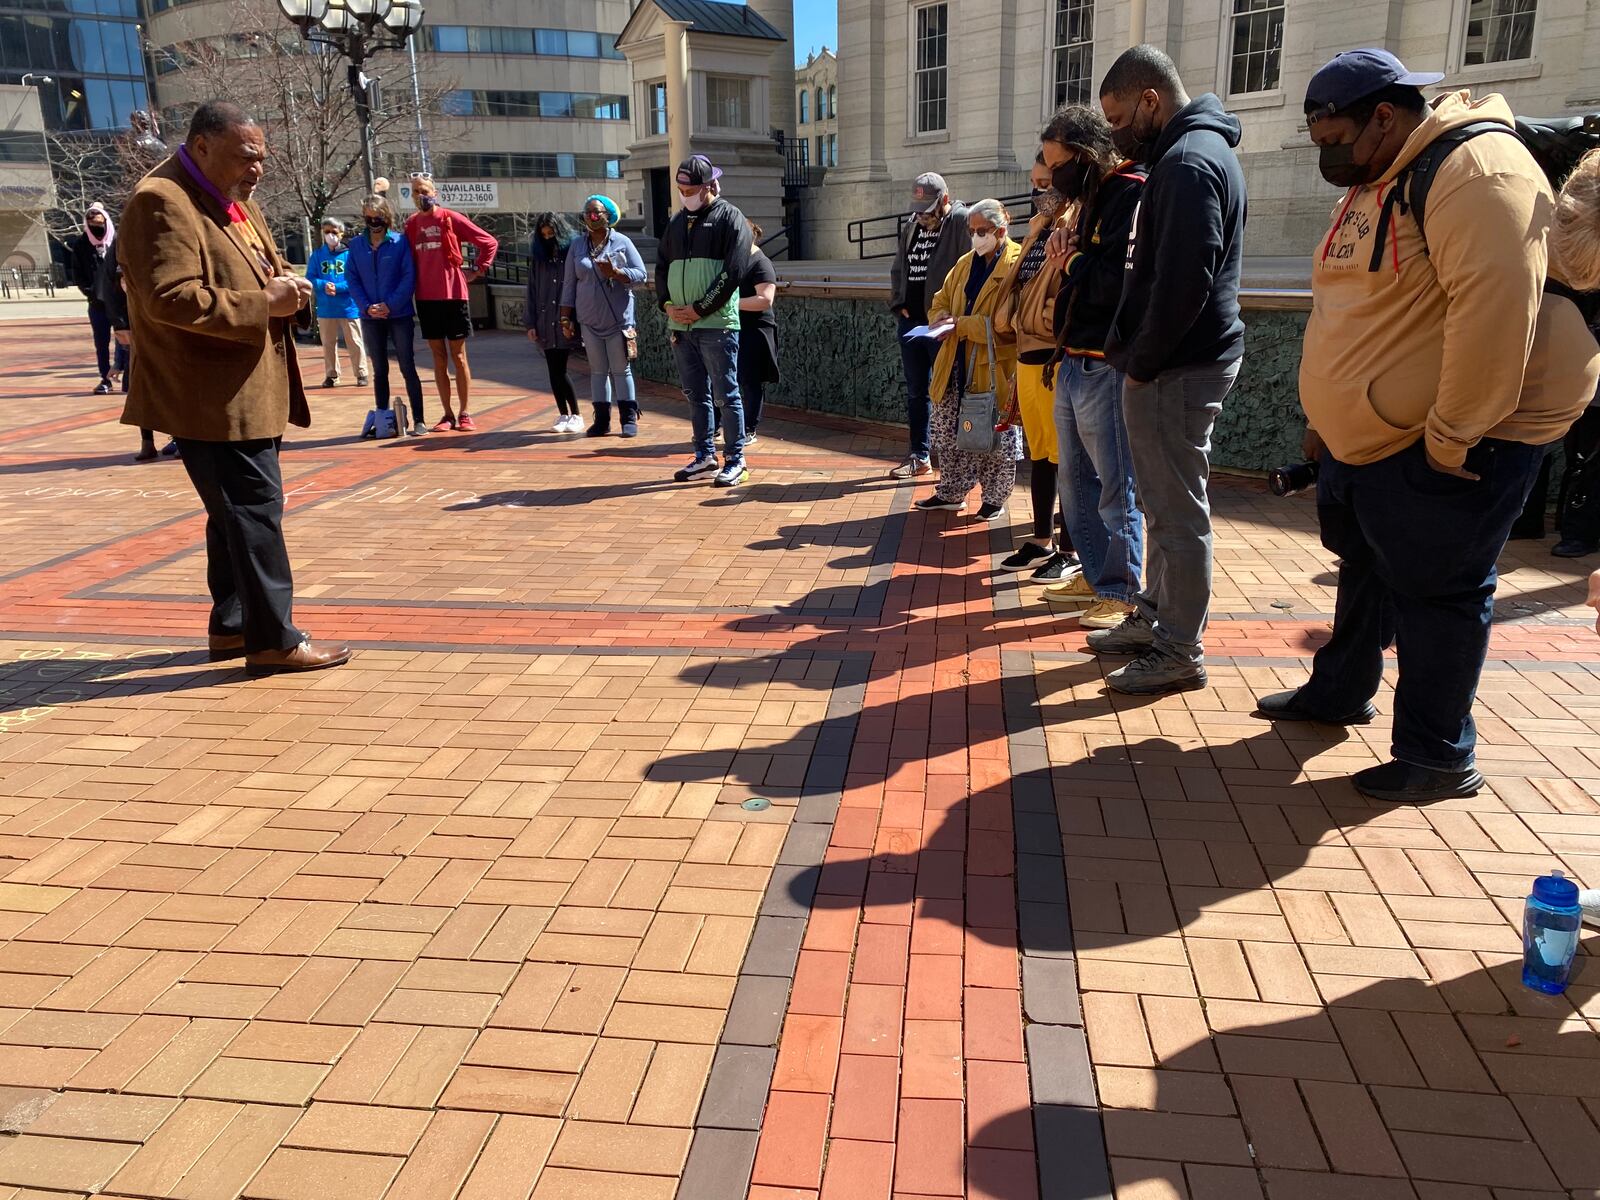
<point>1413,184</point>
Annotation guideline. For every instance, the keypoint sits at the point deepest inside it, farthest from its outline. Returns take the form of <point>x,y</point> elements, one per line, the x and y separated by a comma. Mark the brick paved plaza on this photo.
<point>494,912</point>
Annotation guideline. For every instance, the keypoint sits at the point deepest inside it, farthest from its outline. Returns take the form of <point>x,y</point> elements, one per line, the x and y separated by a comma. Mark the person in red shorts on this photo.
<point>437,236</point>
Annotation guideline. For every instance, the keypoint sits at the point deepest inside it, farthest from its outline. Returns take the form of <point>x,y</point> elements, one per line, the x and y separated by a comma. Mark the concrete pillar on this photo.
<point>1136,22</point>
<point>676,37</point>
<point>863,119</point>
<point>780,72</point>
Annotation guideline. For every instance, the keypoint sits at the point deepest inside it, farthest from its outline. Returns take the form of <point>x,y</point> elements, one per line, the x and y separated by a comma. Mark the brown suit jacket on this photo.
<point>213,366</point>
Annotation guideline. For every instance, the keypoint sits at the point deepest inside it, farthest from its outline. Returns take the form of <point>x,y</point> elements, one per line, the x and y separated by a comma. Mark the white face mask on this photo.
<point>695,202</point>
<point>984,244</point>
<point>331,240</point>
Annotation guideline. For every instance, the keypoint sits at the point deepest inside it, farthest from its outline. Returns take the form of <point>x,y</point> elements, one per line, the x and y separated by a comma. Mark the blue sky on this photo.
<point>816,24</point>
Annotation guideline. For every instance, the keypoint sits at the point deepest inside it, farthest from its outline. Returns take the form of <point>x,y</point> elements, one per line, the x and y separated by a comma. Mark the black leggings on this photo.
<point>1042,485</point>
<point>566,399</point>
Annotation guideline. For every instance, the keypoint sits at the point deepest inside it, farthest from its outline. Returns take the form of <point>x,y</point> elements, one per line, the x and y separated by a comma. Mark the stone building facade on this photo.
<point>816,104</point>
<point>961,89</point>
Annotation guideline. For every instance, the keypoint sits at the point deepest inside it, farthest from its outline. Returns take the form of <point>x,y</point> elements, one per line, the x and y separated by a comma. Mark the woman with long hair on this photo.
<point>1096,473</point>
<point>553,236</point>
<point>603,268</point>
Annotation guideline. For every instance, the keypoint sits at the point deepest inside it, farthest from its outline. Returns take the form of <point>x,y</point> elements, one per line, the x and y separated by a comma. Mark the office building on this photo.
<point>24,180</point>
<point>533,97</point>
<point>920,91</point>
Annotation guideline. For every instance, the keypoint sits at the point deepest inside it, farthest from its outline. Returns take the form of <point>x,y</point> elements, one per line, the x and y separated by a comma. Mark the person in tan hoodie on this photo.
<point>1438,365</point>
<point>1026,317</point>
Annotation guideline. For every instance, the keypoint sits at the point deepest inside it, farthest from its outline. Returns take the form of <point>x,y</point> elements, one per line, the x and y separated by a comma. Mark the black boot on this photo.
<point>602,421</point>
<point>630,419</point>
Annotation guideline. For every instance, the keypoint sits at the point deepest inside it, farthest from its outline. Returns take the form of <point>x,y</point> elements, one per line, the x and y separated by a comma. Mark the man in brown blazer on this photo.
<point>210,304</point>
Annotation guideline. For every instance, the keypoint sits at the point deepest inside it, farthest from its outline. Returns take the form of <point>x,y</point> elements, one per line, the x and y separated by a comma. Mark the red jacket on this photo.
<point>436,278</point>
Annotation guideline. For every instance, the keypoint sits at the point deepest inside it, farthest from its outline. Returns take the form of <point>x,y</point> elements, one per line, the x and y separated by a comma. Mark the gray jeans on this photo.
<point>1169,431</point>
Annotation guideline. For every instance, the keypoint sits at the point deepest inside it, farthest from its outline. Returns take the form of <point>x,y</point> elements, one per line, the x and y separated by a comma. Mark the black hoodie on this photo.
<point>1180,295</point>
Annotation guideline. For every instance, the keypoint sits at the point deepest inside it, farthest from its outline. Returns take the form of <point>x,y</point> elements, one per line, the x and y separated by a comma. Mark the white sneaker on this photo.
<point>1589,901</point>
<point>561,425</point>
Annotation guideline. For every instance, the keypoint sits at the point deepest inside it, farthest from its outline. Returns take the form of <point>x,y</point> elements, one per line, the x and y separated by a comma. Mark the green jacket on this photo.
<point>700,260</point>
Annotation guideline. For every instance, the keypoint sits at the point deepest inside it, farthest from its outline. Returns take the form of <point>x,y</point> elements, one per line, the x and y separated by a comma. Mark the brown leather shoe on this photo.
<point>304,657</point>
<point>224,646</point>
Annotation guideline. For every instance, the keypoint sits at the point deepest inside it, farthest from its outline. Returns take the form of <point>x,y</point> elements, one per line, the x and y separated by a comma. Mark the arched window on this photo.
<point>822,104</point>
<point>833,100</point>
<point>805,98</point>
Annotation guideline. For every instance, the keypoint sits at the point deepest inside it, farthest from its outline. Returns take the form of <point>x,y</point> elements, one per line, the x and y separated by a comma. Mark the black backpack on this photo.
<point>1411,186</point>
<point>1556,144</point>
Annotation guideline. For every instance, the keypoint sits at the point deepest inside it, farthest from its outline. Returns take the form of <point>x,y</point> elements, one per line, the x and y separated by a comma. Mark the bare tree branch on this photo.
<point>300,94</point>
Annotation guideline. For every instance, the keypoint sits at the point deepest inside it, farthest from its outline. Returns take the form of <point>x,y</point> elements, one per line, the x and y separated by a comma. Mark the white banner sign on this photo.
<point>461,196</point>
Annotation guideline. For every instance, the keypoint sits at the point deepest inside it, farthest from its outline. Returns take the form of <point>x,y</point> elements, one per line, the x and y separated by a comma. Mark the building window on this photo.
<point>583,106</point>
<point>506,39</point>
<point>931,90</point>
<point>822,151</point>
<point>1499,31</point>
<point>532,166</point>
<point>833,149</point>
<point>1257,53</point>
<point>1073,54</point>
<point>805,107</point>
<point>833,101</point>
<point>656,116</point>
<point>727,102</point>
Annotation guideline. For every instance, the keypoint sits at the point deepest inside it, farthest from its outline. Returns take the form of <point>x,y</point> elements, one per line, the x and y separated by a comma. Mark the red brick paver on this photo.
<point>466,918</point>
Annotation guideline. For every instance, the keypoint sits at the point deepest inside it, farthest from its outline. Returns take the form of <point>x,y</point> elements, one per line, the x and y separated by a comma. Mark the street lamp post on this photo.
<point>42,81</point>
<point>357,29</point>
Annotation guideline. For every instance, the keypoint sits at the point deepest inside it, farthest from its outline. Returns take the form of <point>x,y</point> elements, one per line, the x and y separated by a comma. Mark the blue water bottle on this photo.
<point>1550,926</point>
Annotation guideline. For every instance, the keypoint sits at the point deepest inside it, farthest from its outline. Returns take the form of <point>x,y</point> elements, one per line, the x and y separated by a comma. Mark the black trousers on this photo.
<point>1578,513</point>
<point>555,362</point>
<point>247,563</point>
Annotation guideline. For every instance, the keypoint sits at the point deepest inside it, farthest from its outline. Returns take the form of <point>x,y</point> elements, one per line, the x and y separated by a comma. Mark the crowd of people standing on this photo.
<point>1438,365</point>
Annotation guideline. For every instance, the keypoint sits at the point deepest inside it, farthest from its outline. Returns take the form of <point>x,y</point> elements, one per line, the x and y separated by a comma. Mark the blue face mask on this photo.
<point>427,203</point>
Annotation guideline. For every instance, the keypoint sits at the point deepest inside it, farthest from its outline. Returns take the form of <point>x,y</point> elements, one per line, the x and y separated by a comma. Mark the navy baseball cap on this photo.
<point>697,171</point>
<point>1355,75</point>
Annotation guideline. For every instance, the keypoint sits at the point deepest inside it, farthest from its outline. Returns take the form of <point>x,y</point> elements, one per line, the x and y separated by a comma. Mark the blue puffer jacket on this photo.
<point>329,266</point>
<point>386,275</point>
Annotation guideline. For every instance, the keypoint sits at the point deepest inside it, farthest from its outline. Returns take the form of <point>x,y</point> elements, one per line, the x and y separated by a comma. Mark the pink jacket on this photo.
<point>436,278</point>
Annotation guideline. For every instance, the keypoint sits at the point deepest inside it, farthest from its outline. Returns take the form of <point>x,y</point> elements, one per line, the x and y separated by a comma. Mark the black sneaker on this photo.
<point>1054,569</point>
<point>991,512</point>
<point>698,468</point>
<point>1574,548</point>
<point>1029,555</point>
<point>103,388</point>
<point>1287,706</point>
<point>935,504</point>
<point>1402,783</point>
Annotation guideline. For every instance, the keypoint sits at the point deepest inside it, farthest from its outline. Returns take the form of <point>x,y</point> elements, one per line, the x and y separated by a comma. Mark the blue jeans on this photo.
<point>610,377</point>
<point>1169,424</point>
<point>100,326</point>
<point>708,367</point>
<point>379,334</point>
<point>1096,477</point>
<point>1417,551</point>
<point>916,360</point>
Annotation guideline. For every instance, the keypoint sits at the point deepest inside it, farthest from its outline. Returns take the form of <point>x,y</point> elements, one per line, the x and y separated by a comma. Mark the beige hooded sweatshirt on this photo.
<point>1407,343</point>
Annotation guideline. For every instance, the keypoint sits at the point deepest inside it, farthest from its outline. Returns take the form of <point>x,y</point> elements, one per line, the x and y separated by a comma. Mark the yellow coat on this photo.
<point>951,301</point>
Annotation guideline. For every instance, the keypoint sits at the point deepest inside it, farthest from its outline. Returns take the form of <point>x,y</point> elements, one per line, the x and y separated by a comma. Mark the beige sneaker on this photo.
<point>1073,590</point>
<point>1105,613</point>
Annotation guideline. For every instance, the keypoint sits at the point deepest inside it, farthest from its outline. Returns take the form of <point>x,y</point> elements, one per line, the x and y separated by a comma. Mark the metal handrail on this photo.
<point>856,231</point>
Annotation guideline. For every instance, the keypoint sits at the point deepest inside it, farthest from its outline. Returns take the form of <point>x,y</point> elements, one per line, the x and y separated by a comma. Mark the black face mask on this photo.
<point>377,223</point>
<point>1339,165</point>
<point>1070,179</point>
<point>97,230</point>
<point>1133,145</point>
